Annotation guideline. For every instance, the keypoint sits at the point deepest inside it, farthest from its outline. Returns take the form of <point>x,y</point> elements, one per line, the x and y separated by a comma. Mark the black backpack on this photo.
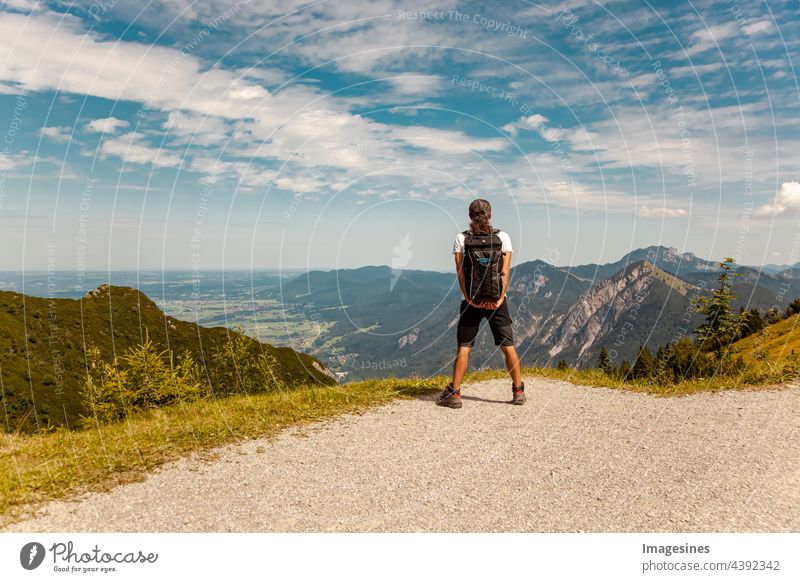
<point>483,265</point>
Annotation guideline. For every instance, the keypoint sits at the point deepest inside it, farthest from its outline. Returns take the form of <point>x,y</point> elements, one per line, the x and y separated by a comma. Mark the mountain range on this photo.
<point>372,321</point>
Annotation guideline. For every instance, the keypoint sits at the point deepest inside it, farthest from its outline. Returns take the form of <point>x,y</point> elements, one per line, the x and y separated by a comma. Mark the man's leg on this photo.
<point>502,330</point>
<point>460,365</point>
<point>468,323</point>
<point>512,364</point>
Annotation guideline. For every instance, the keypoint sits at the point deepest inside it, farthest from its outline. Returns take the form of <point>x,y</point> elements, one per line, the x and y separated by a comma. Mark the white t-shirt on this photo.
<point>458,244</point>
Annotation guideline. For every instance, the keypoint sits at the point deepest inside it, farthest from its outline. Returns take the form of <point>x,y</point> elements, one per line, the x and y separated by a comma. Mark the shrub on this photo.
<point>643,367</point>
<point>604,361</point>
<point>140,379</point>
<point>240,367</point>
<point>103,392</point>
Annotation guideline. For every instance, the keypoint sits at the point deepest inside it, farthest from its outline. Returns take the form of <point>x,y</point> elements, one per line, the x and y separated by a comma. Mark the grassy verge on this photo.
<point>758,375</point>
<point>40,467</point>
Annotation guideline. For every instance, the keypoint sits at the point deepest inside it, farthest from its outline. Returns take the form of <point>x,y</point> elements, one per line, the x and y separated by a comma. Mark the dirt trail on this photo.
<point>573,459</point>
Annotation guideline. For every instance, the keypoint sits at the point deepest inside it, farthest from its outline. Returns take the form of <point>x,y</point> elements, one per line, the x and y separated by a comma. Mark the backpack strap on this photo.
<point>469,232</point>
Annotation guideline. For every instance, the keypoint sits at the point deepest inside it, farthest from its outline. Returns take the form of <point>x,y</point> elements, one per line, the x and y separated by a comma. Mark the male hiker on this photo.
<point>483,260</point>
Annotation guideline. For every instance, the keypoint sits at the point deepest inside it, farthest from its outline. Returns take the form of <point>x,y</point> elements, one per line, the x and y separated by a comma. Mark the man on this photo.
<point>473,311</point>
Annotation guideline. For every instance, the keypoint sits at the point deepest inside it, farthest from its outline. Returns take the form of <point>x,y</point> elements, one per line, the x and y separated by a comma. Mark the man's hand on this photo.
<point>493,305</point>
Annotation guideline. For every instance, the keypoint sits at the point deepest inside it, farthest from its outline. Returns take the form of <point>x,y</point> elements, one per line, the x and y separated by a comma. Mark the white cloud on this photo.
<point>425,85</point>
<point>694,69</point>
<point>49,52</point>
<point>247,175</point>
<point>537,123</point>
<point>6,163</point>
<point>445,140</point>
<point>414,108</point>
<point>56,134</point>
<point>661,212</point>
<point>531,123</point>
<point>709,37</point>
<point>758,27</point>
<point>23,5</point>
<point>787,201</point>
<point>130,148</point>
<point>106,125</point>
<point>184,127</point>
<point>715,33</point>
<point>302,184</point>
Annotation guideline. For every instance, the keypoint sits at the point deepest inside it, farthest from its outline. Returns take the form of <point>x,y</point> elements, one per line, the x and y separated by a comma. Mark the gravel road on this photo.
<point>574,458</point>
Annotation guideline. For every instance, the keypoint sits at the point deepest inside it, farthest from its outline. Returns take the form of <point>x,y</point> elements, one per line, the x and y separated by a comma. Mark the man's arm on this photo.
<point>460,272</point>
<point>461,283</point>
<point>506,276</point>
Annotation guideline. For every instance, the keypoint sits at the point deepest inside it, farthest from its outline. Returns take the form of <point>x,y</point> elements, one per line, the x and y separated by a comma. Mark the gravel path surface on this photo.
<point>573,459</point>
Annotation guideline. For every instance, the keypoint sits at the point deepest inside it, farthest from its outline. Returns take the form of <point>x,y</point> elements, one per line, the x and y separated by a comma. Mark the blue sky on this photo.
<point>178,134</point>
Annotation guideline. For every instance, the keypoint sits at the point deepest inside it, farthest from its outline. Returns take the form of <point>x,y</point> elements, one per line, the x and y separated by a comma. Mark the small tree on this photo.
<point>142,378</point>
<point>663,367</point>
<point>772,316</point>
<point>604,361</point>
<point>238,369</point>
<point>232,364</point>
<point>750,322</point>
<point>104,392</point>
<point>793,308</point>
<point>624,370</point>
<point>149,374</point>
<point>643,367</point>
<point>720,326</point>
<point>562,365</point>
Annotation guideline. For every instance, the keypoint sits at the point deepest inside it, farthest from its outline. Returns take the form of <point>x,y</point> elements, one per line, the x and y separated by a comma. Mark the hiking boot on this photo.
<point>449,397</point>
<point>518,393</point>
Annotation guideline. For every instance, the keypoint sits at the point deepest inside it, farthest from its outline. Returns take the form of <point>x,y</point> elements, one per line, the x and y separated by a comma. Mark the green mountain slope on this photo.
<point>776,342</point>
<point>43,341</point>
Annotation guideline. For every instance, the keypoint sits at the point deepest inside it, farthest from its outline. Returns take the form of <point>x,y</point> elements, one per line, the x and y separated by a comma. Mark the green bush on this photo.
<point>145,378</point>
<point>241,367</point>
<point>140,379</point>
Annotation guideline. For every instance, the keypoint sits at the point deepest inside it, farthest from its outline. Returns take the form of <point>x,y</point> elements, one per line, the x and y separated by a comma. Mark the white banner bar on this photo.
<point>373,557</point>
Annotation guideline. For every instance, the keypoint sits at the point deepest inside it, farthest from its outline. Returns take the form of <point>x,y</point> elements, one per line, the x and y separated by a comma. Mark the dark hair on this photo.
<point>480,213</point>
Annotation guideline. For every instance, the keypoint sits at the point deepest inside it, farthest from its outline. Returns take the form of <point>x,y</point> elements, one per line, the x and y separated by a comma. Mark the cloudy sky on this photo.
<point>281,133</point>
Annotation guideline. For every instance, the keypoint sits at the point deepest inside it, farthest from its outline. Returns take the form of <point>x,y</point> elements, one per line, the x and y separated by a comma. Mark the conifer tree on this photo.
<point>720,326</point>
<point>604,361</point>
<point>643,367</point>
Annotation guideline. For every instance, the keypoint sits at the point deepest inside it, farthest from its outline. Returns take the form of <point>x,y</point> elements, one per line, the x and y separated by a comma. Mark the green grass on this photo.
<point>758,375</point>
<point>754,377</point>
<point>39,467</point>
<point>777,341</point>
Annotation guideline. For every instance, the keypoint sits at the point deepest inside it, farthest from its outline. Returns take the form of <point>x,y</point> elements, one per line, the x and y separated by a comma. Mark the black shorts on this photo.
<point>499,323</point>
